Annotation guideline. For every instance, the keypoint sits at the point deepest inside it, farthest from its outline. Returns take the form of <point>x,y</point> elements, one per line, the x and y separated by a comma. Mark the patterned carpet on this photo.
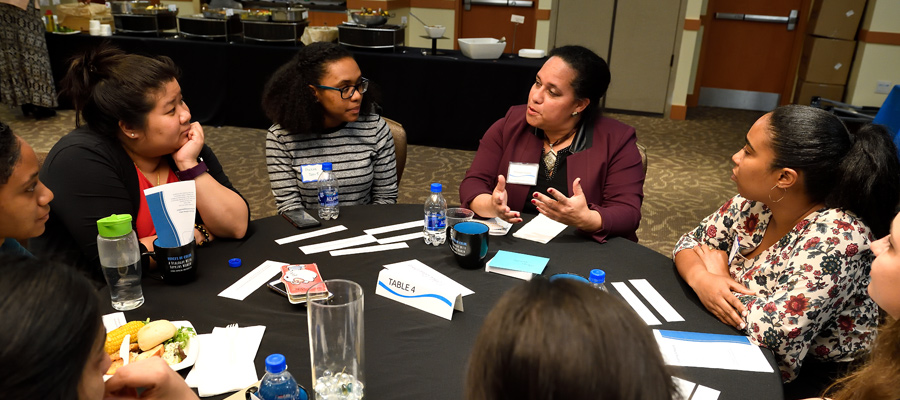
<point>687,177</point>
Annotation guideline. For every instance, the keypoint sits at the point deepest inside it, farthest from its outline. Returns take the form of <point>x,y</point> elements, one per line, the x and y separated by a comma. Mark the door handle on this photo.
<point>503,3</point>
<point>790,20</point>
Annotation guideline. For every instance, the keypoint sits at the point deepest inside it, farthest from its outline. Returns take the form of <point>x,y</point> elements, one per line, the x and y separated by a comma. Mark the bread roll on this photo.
<point>155,333</point>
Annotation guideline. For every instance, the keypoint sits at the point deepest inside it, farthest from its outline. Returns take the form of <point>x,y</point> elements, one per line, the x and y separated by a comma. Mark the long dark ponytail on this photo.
<point>858,172</point>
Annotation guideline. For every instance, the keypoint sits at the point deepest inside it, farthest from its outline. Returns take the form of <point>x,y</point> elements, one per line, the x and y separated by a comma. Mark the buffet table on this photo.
<point>411,354</point>
<point>444,101</point>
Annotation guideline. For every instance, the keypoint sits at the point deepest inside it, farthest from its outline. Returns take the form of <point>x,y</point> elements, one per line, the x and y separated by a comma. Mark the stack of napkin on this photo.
<point>225,363</point>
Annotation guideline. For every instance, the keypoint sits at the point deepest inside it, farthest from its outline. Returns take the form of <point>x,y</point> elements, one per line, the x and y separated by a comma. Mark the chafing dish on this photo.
<point>290,14</point>
<point>382,37</point>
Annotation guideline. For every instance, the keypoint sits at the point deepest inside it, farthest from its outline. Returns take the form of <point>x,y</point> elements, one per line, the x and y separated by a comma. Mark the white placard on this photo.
<point>636,304</point>
<point>337,244</point>
<point>309,235</point>
<point>416,292</point>
<point>253,280</point>
<point>416,267</point>
<point>656,300</point>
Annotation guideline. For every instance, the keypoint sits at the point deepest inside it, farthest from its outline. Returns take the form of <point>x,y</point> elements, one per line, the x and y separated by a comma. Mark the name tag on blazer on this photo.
<point>310,172</point>
<point>522,173</point>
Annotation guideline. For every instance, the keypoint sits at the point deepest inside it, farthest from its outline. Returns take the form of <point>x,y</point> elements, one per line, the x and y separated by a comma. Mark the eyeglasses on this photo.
<point>348,91</point>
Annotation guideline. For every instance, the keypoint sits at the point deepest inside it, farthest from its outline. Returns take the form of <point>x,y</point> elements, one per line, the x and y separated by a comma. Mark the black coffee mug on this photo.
<point>469,242</point>
<point>175,265</point>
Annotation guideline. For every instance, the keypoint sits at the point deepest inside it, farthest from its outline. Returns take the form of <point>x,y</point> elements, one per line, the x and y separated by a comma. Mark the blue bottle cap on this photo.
<point>436,188</point>
<point>326,166</point>
<point>275,363</point>
<point>598,276</point>
<point>234,262</point>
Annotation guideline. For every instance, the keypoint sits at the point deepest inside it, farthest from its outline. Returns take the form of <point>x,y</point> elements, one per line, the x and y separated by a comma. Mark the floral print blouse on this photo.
<point>811,298</point>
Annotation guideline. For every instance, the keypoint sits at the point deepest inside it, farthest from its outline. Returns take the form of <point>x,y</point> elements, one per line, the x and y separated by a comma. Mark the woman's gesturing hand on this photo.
<point>498,201</point>
<point>572,211</point>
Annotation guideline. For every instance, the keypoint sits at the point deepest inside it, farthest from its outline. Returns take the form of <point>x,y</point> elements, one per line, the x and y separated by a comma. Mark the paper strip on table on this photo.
<point>253,280</point>
<point>705,393</point>
<point>337,244</point>
<point>396,227</point>
<point>307,235</point>
<point>656,300</point>
<point>636,303</point>
<point>369,249</point>
<point>401,238</point>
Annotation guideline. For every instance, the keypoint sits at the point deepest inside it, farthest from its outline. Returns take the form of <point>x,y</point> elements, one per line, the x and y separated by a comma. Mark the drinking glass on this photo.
<point>336,340</point>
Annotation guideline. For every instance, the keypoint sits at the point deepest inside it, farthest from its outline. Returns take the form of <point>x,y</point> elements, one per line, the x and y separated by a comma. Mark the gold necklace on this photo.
<point>550,156</point>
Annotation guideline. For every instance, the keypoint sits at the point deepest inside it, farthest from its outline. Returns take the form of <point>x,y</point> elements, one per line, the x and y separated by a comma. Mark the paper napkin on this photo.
<point>225,363</point>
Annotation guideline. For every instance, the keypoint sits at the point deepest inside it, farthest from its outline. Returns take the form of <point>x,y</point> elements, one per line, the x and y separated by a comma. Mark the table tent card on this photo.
<point>707,350</point>
<point>420,291</point>
<point>516,265</point>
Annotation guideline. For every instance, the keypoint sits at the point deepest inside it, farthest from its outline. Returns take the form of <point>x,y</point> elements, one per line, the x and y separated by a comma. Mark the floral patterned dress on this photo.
<point>811,298</point>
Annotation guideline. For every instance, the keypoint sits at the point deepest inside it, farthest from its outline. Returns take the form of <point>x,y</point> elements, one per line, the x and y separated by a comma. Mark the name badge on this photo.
<point>522,173</point>
<point>419,293</point>
<point>310,172</point>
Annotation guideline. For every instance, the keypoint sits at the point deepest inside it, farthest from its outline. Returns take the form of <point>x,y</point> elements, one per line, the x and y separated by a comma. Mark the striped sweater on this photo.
<point>361,153</point>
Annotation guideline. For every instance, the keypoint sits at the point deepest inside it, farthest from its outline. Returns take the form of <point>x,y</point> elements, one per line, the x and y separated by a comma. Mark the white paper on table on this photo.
<point>369,249</point>
<point>636,303</point>
<point>684,387</point>
<point>253,280</point>
<point>541,229</point>
<point>307,235</point>
<point>498,227</point>
<point>401,238</point>
<point>656,300</point>
<point>523,275</point>
<point>113,320</point>
<point>338,244</point>
<point>704,350</point>
<point>396,227</point>
<point>705,393</point>
<point>418,268</point>
<point>225,363</point>
<point>173,208</point>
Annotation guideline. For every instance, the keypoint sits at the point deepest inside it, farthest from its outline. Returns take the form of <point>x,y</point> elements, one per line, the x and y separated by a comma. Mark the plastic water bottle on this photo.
<point>328,193</point>
<point>435,217</point>
<point>278,383</point>
<point>120,259</point>
<point>598,279</point>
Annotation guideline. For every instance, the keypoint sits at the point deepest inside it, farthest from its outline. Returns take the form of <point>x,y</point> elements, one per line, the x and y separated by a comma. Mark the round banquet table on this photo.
<point>411,354</point>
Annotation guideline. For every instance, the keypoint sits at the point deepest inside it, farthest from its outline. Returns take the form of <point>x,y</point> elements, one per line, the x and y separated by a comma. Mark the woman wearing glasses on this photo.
<point>559,157</point>
<point>316,102</point>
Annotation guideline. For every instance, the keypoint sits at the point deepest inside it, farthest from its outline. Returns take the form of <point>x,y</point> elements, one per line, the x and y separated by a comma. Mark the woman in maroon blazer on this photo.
<point>560,141</point>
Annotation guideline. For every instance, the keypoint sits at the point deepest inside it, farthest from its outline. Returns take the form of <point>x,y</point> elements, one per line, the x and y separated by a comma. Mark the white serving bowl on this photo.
<point>435,31</point>
<point>481,48</point>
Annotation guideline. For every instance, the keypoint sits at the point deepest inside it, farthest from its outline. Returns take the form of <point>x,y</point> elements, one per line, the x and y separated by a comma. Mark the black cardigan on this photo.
<point>92,177</point>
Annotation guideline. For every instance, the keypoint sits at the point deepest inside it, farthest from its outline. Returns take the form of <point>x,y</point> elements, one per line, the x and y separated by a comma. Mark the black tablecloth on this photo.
<point>411,354</point>
<point>447,101</point>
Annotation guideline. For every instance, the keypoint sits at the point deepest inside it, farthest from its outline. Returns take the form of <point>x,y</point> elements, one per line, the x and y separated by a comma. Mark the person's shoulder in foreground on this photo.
<point>70,361</point>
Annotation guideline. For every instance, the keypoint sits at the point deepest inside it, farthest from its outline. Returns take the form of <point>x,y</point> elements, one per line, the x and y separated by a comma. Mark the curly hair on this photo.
<point>876,379</point>
<point>9,152</point>
<point>108,85</point>
<point>287,99</point>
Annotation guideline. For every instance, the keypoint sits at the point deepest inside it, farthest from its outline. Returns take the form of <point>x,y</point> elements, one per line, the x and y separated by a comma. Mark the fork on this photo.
<point>231,335</point>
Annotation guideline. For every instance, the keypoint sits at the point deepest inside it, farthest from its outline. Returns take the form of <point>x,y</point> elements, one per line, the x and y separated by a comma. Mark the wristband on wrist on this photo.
<point>205,234</point>
<point>192,172</point>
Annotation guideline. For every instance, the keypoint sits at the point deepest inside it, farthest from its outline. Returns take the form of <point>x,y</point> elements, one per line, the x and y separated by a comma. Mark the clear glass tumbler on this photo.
<point>336,340</point>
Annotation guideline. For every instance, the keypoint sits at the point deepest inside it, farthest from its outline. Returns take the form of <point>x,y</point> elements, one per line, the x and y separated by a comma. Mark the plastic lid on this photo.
<point>114,225</point>
<point>275,363</point>
<point>326,166</point>
<point>234,262</point>
<point>436,188</point>
<point>598,276</point>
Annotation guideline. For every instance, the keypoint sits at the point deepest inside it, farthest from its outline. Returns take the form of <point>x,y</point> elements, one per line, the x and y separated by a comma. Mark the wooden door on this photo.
<point>749,64</point>
<point>493,21</point>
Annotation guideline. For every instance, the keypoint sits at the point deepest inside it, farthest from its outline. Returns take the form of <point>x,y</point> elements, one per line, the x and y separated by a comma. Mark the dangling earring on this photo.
<point>783,193</point>
<point>574,113</point>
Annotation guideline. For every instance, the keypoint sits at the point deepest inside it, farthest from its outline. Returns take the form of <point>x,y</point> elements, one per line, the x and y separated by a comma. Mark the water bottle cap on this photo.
<point>234,262</point>
<point>436,188</point>
<point>598,276</point>
<point>275,363</point>
<point>114,225</point>
<point>326,166</point>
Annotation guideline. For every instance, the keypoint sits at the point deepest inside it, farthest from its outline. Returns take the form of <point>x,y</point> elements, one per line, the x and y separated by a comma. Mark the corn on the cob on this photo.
<point>114,338</point>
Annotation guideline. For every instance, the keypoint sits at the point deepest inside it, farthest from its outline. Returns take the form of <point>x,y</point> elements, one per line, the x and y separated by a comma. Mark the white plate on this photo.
<point>192,350</point>
<point>66,33</point>
<point>531,53</point>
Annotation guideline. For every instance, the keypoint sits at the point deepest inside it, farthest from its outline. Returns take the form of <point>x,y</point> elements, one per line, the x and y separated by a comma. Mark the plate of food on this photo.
<point>171,341</point>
